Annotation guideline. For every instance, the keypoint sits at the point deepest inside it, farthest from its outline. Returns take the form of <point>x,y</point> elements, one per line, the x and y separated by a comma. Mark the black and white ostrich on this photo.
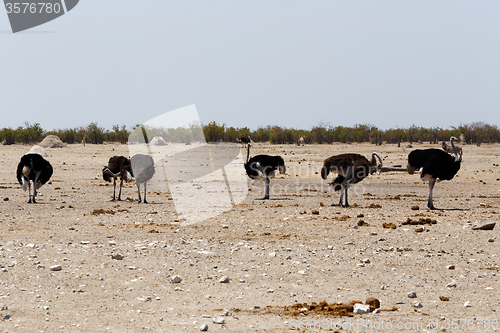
<point>143,168</point>
<point>245,141</point>
<point>33,167</point>
<point>118,166</point>
<point>264,167</point>
<point>436,165</point>
<point>351,169</point>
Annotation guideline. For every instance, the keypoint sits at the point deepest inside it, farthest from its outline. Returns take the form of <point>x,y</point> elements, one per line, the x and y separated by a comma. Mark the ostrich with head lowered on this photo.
<point>118,167</point>
<point>264,166</point>
<point>33,167</point>
<point>350,169</point>
<point>436,165</point>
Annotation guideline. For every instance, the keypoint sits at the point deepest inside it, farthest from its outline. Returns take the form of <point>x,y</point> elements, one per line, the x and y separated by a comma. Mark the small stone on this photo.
<point>361,308</point>
<point>451,285</point>
<point>226,313</point>
<point>224,279</point>
<point>376,311</point>
<point>373,302</point>
<point>483,225</point>
<point>412,294</point>
<point>417,305</point>
<point>117,256</point>
<point>204,328</point>
<point>3,307</point>
<point>467,304</point>
<point>219,320</point>
<point>491,240</point>
<point>176,279</point>
<point>450,266</point>
<point>6,316</point>
<point>55,268</point>
<point>365,261</point>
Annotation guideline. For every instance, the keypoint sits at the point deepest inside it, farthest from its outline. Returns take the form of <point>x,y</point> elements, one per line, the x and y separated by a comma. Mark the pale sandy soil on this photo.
<point>94,293</point>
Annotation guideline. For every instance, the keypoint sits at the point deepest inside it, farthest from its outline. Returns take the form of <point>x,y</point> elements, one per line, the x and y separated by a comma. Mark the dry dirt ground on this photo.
<point>299,247</point>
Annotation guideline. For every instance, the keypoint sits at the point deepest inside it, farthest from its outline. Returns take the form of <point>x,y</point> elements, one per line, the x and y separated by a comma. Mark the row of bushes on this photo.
<point>476,133</point>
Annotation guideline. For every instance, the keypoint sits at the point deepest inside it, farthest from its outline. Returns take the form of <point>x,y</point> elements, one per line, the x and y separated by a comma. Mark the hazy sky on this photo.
<point>256,63</point>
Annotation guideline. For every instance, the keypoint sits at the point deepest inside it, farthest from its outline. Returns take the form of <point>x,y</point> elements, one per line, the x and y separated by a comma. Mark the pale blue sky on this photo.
<point>256,63</point>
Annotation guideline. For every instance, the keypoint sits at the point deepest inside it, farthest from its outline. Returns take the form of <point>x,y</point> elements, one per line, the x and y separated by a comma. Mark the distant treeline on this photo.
<point>473,133</point>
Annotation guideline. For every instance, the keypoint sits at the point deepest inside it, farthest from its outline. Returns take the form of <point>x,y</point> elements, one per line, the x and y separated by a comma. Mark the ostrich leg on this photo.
<point>120,193</point>
<point>431,187</point>
<point>139,192</point>
<point>29,191</point>
<point>145,191</point>
<point>114,190</point>
<point>266,196</point>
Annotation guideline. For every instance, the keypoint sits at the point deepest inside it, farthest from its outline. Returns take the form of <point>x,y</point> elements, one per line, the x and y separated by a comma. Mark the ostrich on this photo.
<point>118,166</point>
<point>33,167</point>
<point>244,141</point>
<point>264,166</point>
<point>436,165</point>
<point>300,141</point>
<point>143,168</point>
<point>350,169</point>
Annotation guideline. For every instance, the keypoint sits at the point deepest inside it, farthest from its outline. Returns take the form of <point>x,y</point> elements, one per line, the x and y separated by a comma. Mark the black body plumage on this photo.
<point>33,167</point>
<point>263,165</point>
<point>434,162</point>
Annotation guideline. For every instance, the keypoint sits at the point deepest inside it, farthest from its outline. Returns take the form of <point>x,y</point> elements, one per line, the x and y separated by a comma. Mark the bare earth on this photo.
<point>275,253</point>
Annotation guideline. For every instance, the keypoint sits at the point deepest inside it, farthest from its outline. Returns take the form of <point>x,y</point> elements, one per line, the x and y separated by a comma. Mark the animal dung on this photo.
<point>421,221</point>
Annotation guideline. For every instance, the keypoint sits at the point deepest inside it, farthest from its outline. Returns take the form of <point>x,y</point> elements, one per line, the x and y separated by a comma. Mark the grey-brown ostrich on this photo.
<point>118,167</point>
<point>143,168</point>
<point>350,169</point>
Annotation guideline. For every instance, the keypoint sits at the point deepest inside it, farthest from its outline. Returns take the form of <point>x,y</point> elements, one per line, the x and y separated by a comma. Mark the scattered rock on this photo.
<point>204,328</point>
<point>176,279</point>
<point>56,268</point>
<point>117,256</point>
<point>388,225</point>
<point>361,308</point>
<point>415,208</point>
<point>444,298</point>
<point>219,320</point>
<point>451,285</point>
<point>417,305</point>
<point>373,303</point>
<point>450,267</point>
<point>3,307</point>
<point>224,279</point>
<point>467,304</point>
<point>412,294</point>
<point>483,225</point>
<point>6,316</point>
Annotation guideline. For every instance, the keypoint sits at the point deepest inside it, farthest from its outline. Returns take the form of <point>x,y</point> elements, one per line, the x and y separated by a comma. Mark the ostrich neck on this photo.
<point>248,152</point>
<point>454,151</point>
